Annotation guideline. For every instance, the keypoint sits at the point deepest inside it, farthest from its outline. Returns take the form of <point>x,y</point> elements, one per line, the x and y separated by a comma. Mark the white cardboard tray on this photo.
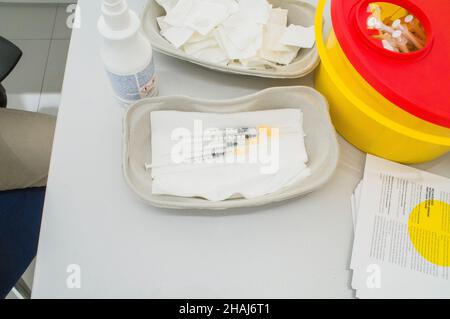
<point>321,143</point>
<point>300,13</point>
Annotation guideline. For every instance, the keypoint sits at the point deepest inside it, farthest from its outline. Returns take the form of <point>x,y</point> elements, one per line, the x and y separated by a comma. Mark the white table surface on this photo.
<point>297,249</point>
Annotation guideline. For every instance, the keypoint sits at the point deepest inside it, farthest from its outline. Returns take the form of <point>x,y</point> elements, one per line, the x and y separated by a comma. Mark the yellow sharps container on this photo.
<point>385,71</point>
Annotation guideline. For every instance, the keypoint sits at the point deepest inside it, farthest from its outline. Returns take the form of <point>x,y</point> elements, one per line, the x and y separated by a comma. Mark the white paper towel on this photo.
<point>220,181</point>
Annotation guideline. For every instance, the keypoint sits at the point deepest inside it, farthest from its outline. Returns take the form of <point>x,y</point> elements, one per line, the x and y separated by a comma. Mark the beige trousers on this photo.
<point>26,140</point>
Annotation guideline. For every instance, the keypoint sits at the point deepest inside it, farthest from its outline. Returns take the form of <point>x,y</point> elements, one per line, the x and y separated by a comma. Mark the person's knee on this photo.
<point>26,140</point>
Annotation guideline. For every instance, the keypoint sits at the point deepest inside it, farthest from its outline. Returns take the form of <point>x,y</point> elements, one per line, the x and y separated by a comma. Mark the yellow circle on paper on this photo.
<point>429,231</point>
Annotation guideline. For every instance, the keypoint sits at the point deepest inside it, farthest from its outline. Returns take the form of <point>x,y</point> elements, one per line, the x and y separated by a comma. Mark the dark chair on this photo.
<point>20,210</point>
<point>9,57</point>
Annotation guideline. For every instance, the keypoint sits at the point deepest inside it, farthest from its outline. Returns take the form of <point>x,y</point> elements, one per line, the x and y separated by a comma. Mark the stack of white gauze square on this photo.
<point>250,33</point>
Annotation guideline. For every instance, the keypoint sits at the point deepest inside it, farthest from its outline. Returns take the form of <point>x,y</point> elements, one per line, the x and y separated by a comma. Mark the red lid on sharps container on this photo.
<point>410,71</point>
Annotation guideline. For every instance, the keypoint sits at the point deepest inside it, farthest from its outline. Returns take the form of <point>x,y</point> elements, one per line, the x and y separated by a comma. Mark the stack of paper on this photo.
<point>402,239</point>
<point>250,33</point>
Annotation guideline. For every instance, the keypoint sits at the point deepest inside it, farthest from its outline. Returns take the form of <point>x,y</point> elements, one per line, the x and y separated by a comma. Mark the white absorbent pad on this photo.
<point>250,170</point>
<point>298,36</point>
<point>206,15</point>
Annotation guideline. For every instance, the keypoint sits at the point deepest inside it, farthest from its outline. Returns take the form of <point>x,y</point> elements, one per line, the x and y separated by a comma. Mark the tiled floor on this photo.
<point>41,32</point>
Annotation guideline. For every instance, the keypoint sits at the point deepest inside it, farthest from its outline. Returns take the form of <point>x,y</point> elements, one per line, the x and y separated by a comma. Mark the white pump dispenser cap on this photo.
<point>117,21</point>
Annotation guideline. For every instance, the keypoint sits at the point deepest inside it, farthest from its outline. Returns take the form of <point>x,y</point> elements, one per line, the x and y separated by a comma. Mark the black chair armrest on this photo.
<point>9,56</point>
<point>3,98</point>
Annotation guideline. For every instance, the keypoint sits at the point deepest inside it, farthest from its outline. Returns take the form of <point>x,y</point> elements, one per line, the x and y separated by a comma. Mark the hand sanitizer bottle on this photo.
<point>126,53</point>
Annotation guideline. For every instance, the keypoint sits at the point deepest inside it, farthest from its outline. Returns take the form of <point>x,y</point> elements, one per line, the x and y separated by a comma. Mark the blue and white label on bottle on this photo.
<point>134,87</point>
